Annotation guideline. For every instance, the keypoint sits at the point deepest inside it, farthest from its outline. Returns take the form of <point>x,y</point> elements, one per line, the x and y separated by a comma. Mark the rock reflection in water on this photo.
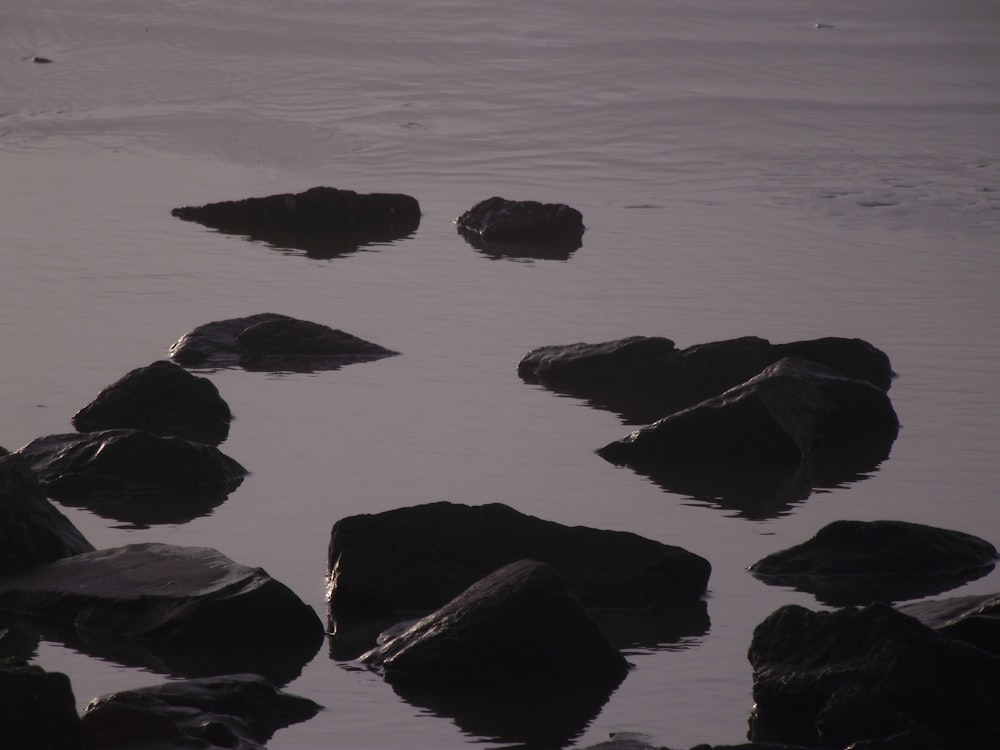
<point>548,249</point>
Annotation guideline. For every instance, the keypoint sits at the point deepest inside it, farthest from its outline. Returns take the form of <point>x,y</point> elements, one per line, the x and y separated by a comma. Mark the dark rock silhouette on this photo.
<point>858,562</point>
<point>873,675</point>
<point>522,229</point>
<point>644,378</point>
<point>490,654</point>
<point>416,559</point>
<point>132,475</point>
<point>162,398</point>
<point>240,711</point>
<point>32,530</point>
<point>189,596</point>
<point>973,619</point>
<point>324,222</point>
<point>269,342</point>
<point>39,710</point>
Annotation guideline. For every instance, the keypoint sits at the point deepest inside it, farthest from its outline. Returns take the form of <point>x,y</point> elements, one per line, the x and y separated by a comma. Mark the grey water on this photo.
<point>782,169</point>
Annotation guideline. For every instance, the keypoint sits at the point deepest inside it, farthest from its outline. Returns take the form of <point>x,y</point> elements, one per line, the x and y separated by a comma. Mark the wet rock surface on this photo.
<point>190,596</point>
<point>973,619</point>
<point>270,341</point>
<point>873,676</point>
<point>859,562</point>
<point>32,530</point>
<point>324,222</point>
<point>522,229</point>
<point>240,711</point>
<point>162,398</point>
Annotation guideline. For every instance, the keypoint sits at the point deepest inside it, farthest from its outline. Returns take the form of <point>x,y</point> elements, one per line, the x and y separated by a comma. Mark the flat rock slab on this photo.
<point>236,712</point>
<point>162,398</point>
<point>416,559</point>
<point>791,409</point>
<point>32,530</point>
<point>324,222</point>
<point>643,378</point>
<point>526,229</point>
<point>125,461</point>
<point>859,562</point>
<point>185,595</point>
<point>270,341</point>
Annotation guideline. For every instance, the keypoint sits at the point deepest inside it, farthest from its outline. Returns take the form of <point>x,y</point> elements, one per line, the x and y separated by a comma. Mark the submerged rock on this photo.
<point>325,222</point>
<point>643,378</point>
<point>162,398</point>
<point>522,229</point>
<point>240,711</point>
<point>39,710</point>
<point>858,562</point>
<point>872,676</point>
<point>192,596</point>
<point>32,530</point>
<point>269,341</point>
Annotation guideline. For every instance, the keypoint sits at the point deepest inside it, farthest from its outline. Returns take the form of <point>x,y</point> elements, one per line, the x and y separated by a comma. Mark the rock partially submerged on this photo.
<point>189,596</point>
<point>269,341</point>
<point>414,560</point>
<point>325,222</point>
<point>514,656</point>
<point>643,378</point>
<point>32,530</point>
<point>858,562</point>
<point>973,619</point>
<point>792,409</point>
<point>522,229</point>
<point>162,398</point>
<point>873,676</point>
<point>236,712</point>
<point>133,475</point>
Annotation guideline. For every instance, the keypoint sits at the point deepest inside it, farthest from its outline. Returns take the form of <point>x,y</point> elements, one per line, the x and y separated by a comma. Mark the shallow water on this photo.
<point>740,172</point>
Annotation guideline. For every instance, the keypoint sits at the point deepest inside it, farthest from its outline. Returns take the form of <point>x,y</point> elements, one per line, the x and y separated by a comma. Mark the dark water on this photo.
<point>740,172</point>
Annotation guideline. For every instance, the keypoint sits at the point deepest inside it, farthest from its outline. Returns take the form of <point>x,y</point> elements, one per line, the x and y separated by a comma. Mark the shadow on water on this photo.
<point>758,490</point>
<point>142,509</point>
<point>555,248</point>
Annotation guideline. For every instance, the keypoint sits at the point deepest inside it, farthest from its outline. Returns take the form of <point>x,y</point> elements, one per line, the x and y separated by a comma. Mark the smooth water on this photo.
<point>782,169</point>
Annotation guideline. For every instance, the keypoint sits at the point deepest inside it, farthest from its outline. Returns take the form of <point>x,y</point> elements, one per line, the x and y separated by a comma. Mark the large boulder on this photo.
<point>236,712</point>
<point>162,398</point>
<point>418,558</point>
<point>269,341</point>
<point>133,475</point>
<point>974,619</point>
<point>790,410</point>
<point>32,530</point>
<point>522,229</point>
<point>325,222</point>
<point>873,676</point>
<point>514,657</point>
<point>188,596</point>
<point>643,378</point>
<point>39,710</point>
<point>858,562</point>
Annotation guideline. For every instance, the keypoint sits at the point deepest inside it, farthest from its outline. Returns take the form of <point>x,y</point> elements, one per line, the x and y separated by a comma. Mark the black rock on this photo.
<point>858,562</point>
<point>188,596</point>
<point>522,229</point>
<point>414,560</point>
<point>32,530</point>
<point>240,711</point>
<point>39,710</point>
<point>162,398</point>
<point>324,222</point>
<point>973,619</point>
<point>872,675</point>
<point>269,341</point>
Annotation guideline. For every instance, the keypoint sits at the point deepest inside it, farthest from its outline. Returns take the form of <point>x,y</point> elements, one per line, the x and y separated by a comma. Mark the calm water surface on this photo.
<point>740,172</point>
